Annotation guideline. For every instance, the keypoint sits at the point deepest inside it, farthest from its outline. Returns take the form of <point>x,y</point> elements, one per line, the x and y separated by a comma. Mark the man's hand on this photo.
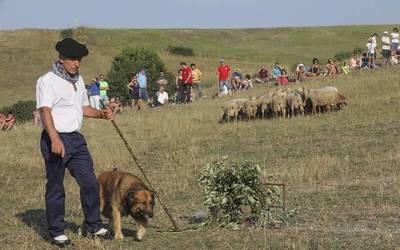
<point>57,146</point>
<point>107,114</point>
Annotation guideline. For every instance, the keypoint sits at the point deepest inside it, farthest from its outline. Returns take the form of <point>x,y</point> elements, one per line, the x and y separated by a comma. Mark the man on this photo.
<point>143,95</point>
<point>62,102</point>
<point>196,79</point>
<point>187,79</point>
<point>223,72</point>
<point>103,84</point>
<point>94,93</point>
<point>386,50</point>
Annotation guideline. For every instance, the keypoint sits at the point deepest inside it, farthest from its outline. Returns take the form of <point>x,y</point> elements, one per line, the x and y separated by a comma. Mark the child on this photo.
<point>371,46</point>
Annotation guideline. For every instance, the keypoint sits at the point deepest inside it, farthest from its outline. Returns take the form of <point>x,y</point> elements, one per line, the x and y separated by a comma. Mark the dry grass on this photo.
<point>341,170</point>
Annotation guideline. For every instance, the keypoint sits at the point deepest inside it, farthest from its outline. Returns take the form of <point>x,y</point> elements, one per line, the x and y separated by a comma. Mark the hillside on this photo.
<point>341,169</point>
<point>27,54</point>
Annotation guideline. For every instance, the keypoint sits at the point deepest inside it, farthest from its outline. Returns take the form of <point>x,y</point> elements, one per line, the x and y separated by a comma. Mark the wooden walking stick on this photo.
<point>141,169</point>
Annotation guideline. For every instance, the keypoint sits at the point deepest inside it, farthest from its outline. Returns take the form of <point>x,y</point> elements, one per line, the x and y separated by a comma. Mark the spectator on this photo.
<point>115,105</point>
<point>373,38</point>
<point>133,86</point>
<point>162,97</point>
<point>395,40</point>
<point>371,53</point>
<point>143,95</point>
<point>331,68</point>
<point>300,73</point>
<point>263,75</point>
<point>315,69</point>
<point>187,79</point>
<point>103,84</point>
<point>246,83</point>
<point>196,80</point>
<point>236,79</point>
<point>162,82</point>
<point>355,62</point>
<point>94,93</point>
<point>364,60</point>
<point>223,72</point>
<point>36,117</point>
<point>394,59</point>
<point>2,121</point>
<point>11,121</point>
<point>283,79</point>
<point>180,86</point>
<point>276,71</point>
<point>386,49</point>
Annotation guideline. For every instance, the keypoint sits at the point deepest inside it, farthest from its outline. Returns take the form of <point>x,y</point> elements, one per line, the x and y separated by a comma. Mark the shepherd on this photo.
<point>62,101</point>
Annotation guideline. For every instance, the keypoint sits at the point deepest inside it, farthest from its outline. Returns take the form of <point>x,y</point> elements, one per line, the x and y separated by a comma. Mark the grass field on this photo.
<point>341,169</point>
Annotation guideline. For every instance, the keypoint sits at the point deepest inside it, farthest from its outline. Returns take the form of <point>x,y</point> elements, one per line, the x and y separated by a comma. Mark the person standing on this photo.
<point>386,52</point>
<point>94,93</point>
<point>395,39</point>
<point>371,48</point>
<point>133,87</point>
<point>103,89</point>
<point>143,95</point>
<point>62,101</point>
<point>197,80</point>
<point>223,71</point>
<point>187,79</point>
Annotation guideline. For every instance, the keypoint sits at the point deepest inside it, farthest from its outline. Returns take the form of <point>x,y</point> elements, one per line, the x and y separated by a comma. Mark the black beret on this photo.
<point>69,48</point>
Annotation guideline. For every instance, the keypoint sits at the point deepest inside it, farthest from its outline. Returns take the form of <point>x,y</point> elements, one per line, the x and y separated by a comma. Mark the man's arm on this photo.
<point>95,113</point>
<point>57,146</point>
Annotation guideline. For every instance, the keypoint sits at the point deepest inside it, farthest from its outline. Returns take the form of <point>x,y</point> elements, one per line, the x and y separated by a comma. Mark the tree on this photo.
<point>128,63</point>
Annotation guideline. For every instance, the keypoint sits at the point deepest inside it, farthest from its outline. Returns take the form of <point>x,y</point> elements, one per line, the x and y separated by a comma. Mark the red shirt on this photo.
<point>187,77</point>
<point>223,70</point>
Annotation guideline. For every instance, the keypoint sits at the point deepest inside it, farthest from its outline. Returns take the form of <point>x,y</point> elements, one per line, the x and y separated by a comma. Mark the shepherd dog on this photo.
<point>123,194</point>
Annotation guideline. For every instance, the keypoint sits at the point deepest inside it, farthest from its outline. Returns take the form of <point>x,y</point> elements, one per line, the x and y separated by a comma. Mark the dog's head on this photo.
<point>140,203</point>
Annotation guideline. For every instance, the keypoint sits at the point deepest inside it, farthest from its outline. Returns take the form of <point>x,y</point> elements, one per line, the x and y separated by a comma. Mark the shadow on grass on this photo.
<point>36,219</point>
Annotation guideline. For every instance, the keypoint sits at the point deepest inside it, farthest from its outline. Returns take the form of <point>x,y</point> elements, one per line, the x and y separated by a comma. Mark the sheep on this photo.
<point>250,109</point>
<point>231,109</point>
<point>324,97</point>
<point>294,102</point>
<point>278,106</point>
<point>264,105</point>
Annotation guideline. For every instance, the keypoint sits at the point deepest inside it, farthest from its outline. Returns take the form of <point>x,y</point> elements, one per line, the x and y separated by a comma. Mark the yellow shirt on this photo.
<point>196,74</point>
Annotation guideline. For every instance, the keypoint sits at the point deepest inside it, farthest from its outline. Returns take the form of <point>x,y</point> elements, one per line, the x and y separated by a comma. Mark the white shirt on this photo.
<point>66,104</point>
<point>386,43</point>
<point>162,97</point>
<point>371,47</point>
<point>395,37</point>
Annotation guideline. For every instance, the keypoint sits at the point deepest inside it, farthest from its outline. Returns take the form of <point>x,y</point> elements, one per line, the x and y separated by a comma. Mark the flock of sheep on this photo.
<point>284,102</point>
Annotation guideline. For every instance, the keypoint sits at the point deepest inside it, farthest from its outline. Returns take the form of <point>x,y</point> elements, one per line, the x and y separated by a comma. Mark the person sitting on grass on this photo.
<point>11,121</point>
<point>364,61</point>
<point>394,59</point>
<point>300,73</point>
<point>283,79</point>
<point>331,68</point>
<point>276,71</point>
<point>2,121</point>
<point>247,84</point>
<point>345,68</point>
<point>263,75</point>
<point>162,98</point>
<point>315,69</point>
<point>236,79</point>
<point>115,105</point>
<point>355,62</point>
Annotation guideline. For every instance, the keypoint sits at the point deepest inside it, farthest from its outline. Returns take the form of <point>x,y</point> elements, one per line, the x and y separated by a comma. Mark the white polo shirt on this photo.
<point>66,104</point>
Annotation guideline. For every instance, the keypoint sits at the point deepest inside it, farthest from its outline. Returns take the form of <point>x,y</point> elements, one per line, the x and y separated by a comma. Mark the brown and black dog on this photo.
<point>123,194</point>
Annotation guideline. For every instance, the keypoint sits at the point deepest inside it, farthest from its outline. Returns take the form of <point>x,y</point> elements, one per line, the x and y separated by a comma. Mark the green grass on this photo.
<point>341,169</point>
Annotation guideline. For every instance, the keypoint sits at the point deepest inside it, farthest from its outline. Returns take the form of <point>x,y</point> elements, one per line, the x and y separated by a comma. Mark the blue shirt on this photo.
<point>276,72</point>
<point>142,79</point>
<point>94,89</point>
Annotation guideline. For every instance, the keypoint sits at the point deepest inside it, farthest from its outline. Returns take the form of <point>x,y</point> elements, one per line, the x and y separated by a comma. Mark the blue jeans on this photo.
<point>78,161</point>
<point>143,94</point>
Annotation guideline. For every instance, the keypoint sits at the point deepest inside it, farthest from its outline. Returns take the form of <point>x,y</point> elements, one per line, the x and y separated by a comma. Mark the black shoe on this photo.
<point>61,241</point>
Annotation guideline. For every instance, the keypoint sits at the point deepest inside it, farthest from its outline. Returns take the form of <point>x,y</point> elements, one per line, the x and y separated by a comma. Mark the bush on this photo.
<point>341,56</point>
<point>358,50</point>
<point>66,33</point>
<point>128,63</point>
<point>22,110</point>
<point>182,51</point>
<point>230,189</point>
